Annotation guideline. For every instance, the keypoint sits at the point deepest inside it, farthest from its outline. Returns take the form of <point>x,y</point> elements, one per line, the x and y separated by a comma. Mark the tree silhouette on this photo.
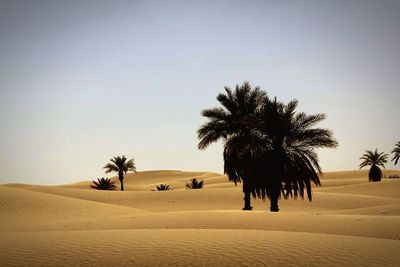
<point>374,159</point>
<point>121,166</point>
<point>232,122</point>
<point>288,162</point>
<point>396,152</point>
<point>267,145</point>
<point>103,184</point>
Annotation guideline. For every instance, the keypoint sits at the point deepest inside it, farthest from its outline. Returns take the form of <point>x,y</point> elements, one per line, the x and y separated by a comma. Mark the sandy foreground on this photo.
<point>350,222</point>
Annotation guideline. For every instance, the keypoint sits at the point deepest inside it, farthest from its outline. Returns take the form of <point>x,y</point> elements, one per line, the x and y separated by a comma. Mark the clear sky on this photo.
<point>82,81</point>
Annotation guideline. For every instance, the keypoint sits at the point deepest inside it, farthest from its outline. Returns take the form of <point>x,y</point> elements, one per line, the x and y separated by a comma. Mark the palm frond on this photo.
<point>372,158</point>
<point>110,168</point>
<point>120,164</point>
<point>228,100</point>
<point>211,132</point>
<point>396,152</point>
<point>215,114</point>
<point>129,166</point>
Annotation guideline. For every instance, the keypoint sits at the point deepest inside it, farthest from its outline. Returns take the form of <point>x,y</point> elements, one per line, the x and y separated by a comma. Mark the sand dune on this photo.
<point>385,188</point>
<point>27,210</point>
<point>195,248</point>
<point>150,179</point>
<point>219,199</point>
<point>350,222</point>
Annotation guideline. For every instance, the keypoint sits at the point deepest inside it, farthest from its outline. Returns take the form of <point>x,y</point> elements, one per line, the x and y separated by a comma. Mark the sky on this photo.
<point>83,81</point>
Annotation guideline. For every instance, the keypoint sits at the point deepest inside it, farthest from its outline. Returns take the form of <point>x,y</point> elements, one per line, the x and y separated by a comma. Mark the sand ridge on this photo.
<point>197,247</point>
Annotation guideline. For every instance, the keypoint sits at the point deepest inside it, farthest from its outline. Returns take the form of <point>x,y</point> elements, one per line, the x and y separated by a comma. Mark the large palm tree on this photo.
<point>288,160</point>
<point>232,122</point>
<point>374,159</point>
<point>120,165</point>
<point>396,152</point>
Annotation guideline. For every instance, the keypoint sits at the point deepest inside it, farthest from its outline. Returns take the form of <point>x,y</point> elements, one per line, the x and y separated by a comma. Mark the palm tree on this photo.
<point>288,162</point>
<point>122,166</point>
<point>232,122</point>
<point>103,184</point>
<point>396,152</point>
<point>195,184</point>
<point>374,159</point>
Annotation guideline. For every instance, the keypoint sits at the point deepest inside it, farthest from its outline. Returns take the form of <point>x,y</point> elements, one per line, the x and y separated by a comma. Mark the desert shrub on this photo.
<point>195,184</point>
<point>163,187</point>
<point>394,176</point>
<point>103,184</point>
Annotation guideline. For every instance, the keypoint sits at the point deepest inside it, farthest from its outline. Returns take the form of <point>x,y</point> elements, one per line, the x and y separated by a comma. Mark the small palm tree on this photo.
<point>396,152</point>
<point>163,187</point>
<point>374,159</point>
<point>121,166</point>
<point>195,184</point>
<point>103,184</point>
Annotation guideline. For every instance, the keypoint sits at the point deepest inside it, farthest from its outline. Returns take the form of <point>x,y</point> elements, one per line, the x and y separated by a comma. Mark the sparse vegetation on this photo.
<point>103,184</point>
<point>374,159</point>
<point>163,187</point>
<point>121,166</point>
<point>195,184</point>
<point>393,176</point>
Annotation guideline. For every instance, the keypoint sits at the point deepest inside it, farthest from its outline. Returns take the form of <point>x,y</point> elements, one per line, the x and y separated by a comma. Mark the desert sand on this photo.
<point>350,222</point>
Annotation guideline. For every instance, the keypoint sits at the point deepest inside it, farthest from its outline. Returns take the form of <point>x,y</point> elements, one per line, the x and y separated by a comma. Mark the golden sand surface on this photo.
<point>350,222</point>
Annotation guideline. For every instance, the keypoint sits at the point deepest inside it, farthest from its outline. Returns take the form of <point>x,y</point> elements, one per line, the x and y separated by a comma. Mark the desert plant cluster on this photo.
<point>192,184</point>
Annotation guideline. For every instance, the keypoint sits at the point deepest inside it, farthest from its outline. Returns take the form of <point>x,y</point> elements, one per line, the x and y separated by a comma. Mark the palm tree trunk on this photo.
<point>276,183</point>
<point>274,204</point>
<point>247,197</point>
<point>121,179</point>
<point>274,197</point>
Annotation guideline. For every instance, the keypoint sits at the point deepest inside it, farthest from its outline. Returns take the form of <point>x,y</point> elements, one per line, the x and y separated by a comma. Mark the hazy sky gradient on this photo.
<point>81,81</point>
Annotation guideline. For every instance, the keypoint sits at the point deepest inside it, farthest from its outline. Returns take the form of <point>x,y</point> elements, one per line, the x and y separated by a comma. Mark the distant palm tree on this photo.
<point>374,159</point>
<point>121,166</point>
<point>288,162</point>
<point>163,187</point>
<point>233,123</point>
<point>396,152</point>
<point>103,184</point>
<point>195,184</point>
